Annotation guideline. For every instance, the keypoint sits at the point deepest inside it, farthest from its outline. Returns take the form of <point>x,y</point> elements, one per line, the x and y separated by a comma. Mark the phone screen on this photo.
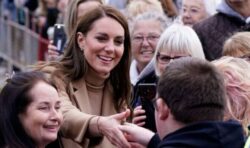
<point>147,90</point>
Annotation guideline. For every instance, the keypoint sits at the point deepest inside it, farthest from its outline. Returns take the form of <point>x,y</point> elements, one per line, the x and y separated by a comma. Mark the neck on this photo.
<point>95,79</point>
<point>243,8</point>
<point>140,67</point>
<point>41,146</point>
<point>171,126</point>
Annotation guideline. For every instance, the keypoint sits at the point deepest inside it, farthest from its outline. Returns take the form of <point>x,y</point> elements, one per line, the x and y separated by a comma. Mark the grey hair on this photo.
<point>181,39</point>
<point>152,15</point>
<point>210,6</point>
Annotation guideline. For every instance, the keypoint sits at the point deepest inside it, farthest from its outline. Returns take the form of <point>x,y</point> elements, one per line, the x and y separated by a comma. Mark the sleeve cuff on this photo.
<point>154,141</point>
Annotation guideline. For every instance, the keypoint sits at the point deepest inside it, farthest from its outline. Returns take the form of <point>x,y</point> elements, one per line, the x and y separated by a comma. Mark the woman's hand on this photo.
<point>136,134</point>
<point>108,126</point>
<point>52,52</point>
<point>139,116</point>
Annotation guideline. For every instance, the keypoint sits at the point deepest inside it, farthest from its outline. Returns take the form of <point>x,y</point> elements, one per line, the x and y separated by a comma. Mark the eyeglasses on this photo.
<point>154,101</point>
<point>246,57</point>
<point>164,59</point>
<point>150,38</point>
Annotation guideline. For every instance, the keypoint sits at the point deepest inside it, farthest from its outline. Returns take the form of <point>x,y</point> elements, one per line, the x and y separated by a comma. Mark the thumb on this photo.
<point>121,116</point>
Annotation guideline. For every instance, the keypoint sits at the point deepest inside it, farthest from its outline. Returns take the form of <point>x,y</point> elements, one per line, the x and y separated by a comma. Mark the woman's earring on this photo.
<point>82,50</point>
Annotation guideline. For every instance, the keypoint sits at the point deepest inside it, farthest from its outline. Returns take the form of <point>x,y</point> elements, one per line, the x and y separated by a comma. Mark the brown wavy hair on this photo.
<point>73,64</point>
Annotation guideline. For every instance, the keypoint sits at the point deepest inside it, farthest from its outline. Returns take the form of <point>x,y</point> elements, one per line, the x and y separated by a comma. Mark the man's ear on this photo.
<point>80,39</point>
<point>162,109</point>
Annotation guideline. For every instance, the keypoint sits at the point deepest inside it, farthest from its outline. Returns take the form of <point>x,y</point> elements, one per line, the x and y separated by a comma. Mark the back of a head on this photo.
<point>237,81</point>
<point>193,89</point>
<point>237,45</point>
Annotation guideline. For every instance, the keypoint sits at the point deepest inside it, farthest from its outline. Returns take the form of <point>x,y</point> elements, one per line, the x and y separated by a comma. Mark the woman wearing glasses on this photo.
<point>145,32</point>
<point>177,41</point>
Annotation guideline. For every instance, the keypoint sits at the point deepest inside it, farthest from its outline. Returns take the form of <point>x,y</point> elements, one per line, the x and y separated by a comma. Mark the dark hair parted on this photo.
<point>14,99</point>
<point>194,90</point>
<point>73,65</point>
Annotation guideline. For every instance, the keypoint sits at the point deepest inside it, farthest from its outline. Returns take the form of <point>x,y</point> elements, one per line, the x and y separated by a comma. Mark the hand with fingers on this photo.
<point>108,126</point>
<point>139,116</point>
<point>53,54</point>
<point>136,135</point>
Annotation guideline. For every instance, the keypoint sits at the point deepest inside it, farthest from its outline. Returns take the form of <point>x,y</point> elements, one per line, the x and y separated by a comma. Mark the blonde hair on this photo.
<point>179,39</point>
<point>236,73</point>
<point>237,45</point>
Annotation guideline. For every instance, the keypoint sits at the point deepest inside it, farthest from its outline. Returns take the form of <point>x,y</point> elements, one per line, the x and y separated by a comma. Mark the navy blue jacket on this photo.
<point>211,134</point>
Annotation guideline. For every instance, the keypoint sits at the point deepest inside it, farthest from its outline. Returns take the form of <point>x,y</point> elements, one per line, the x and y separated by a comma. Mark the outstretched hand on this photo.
<point>109,127</point>
<point>136,134</point>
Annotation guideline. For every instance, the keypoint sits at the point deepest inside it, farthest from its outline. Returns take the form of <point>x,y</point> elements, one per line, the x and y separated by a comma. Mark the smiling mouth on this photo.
<point>147,52</point>
<point>52,128</point>
<point>105,58</point>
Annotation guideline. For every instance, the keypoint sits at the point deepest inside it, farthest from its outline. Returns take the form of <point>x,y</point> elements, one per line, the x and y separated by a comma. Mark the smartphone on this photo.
<point>147,90</point>
<point>59,38</point>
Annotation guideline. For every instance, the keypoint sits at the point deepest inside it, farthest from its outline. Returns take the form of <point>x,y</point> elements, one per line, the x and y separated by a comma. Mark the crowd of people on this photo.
<point>134,73</point>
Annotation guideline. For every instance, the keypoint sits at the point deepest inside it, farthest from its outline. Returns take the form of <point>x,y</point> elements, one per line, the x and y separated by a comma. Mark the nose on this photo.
<point>145,42</point>
<point>110,47</point>
<point>186,14</point>
<point>171,60</point>
<point>56,115</point>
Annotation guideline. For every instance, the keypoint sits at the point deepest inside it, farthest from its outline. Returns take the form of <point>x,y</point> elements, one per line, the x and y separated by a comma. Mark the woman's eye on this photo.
<point>184,10</point>
<point>194,10</point>
<point>44,108</point>
<point>101,38</point>
<point>58,107</point>
<point>118,42</point>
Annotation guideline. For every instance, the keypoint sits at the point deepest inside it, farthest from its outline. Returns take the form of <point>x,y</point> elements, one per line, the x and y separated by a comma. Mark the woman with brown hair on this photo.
<point>93,80</point>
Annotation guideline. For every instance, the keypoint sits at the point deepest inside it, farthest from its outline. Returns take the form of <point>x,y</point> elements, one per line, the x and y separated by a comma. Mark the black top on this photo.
<point>210,134</point>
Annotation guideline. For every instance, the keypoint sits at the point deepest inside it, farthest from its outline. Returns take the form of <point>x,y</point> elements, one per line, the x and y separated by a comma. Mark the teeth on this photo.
<point>147,52</point>
<point>105,58</point>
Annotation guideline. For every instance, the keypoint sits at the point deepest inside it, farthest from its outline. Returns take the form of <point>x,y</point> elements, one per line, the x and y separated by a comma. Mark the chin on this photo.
<point>104,70</point>
<point>50,138</point>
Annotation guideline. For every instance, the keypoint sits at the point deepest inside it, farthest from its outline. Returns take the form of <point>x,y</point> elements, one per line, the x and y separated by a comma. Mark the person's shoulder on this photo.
<point>209,22</point>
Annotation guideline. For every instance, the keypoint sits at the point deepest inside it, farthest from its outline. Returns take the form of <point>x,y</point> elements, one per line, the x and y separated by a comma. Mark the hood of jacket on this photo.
<point>224,8</point>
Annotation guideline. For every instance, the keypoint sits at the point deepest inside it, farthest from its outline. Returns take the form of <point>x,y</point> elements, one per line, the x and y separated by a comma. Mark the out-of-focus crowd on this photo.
<point>136,73</point>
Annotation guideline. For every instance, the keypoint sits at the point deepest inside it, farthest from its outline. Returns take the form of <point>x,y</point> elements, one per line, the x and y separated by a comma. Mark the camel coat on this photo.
<point>77,112</point>
<point>79,109</point>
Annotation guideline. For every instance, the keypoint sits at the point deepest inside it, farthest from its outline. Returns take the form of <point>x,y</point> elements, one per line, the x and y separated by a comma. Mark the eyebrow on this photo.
<point>105,34</point>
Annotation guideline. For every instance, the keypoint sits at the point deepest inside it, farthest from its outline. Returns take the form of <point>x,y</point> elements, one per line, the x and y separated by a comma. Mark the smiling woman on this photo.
<point>29,111</point>
<point>93,80</point>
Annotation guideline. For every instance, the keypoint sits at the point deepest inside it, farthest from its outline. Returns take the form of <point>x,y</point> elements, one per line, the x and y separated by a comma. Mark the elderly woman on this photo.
<point>177,41</point>
<point>30,113</point>
<point>146,29</point>
<point>194,11</point>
